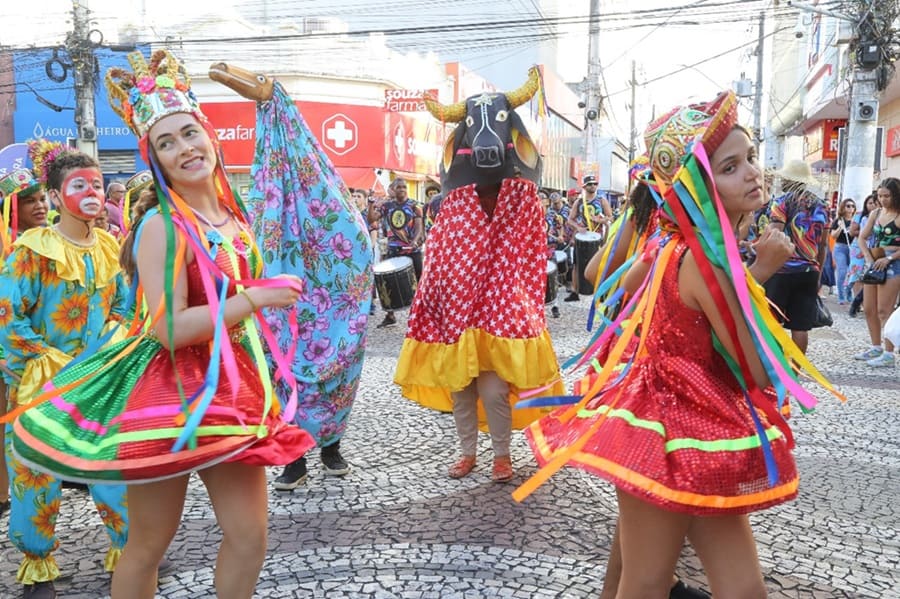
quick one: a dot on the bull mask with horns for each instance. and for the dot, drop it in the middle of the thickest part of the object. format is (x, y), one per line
(490, 143)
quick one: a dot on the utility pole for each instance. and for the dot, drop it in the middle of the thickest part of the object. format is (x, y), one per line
(874, 52)
(81, 52)
(757, 98)
(592, 101)
(632, 145)
(856, 178)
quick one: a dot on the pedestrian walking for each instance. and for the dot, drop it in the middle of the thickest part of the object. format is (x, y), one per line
(403, 228)
(883, 266)
(23, 204)
(843, 241)
(803, 216)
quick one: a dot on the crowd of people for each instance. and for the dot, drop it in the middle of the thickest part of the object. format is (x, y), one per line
(130, 327)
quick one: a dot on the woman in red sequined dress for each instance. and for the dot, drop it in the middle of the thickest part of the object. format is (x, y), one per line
(689, 451)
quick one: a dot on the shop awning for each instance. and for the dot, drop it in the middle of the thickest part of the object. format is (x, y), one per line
(359, 177)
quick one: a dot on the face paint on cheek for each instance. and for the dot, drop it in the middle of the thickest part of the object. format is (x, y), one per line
(82, 193)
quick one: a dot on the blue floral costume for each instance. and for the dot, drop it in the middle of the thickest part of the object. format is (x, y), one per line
(56, 299)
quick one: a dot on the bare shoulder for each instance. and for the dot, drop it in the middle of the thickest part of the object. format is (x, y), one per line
(153, 236)
(692, 287)
(690, 281)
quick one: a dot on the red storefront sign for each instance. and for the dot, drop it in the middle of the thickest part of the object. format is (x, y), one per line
(830, 137)
(351, 135)
(412, 143)
(892, 147)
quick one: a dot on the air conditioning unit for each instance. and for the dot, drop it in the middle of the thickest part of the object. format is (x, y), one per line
(89, 133)
(866, 111)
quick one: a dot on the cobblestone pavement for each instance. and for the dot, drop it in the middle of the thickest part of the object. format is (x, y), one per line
(398, 527)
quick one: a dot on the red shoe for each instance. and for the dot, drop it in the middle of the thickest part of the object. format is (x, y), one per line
(503, 470)
(462, 467)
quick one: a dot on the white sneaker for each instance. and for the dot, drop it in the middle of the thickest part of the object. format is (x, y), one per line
(883, 361)
(869, 354)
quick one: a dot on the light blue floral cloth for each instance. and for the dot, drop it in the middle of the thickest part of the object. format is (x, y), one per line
(306, 225)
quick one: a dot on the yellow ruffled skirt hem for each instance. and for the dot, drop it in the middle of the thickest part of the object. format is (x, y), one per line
(37, 569)
(428, 372)
(112, 558)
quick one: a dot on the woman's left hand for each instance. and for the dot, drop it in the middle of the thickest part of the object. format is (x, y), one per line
(881, 264)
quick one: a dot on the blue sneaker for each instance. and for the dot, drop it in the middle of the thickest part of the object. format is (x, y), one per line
(869, 354)
(885, 360)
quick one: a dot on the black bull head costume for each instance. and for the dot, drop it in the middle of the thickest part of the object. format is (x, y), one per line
(490, 143)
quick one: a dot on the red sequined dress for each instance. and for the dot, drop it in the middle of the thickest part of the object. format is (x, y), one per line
(677, 431)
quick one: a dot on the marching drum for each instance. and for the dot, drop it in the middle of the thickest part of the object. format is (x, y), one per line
(562, 265)
(395, 281)
(552, 282)
(586, 245)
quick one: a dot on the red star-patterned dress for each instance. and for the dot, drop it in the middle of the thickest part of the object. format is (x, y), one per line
(480, 303)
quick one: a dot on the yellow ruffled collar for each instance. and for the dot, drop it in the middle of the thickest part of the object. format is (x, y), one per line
(69, 257)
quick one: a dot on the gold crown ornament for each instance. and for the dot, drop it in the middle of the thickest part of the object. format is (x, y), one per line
(138, 181)
(152, 91)
(18, 181)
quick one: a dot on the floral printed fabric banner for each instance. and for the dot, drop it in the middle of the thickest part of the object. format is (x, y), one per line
(305, 225)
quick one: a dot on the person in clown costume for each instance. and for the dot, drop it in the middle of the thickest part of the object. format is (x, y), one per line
(189, 390)
(60, 288)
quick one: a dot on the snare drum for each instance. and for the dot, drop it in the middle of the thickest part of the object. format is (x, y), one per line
(586, 245)
(395, 281)
(552, 282)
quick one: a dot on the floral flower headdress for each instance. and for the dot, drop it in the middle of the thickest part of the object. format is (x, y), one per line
(153, 90)
(42, 153)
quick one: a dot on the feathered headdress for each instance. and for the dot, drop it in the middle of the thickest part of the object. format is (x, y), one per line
(42, 153)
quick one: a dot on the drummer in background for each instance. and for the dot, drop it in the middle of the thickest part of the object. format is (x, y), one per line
(402, 224)
(431, 190)
(362, 200)
(556, 221)
(556, 235)
(590, 213)
(431, 210)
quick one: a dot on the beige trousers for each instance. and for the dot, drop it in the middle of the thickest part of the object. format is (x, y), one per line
(494, 393)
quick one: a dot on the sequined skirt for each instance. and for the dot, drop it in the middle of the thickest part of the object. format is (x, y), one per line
(674, 436)
(121, 423)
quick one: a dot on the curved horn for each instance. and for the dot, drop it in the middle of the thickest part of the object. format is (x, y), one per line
(448, 114)
(523, 94)
(253, 86)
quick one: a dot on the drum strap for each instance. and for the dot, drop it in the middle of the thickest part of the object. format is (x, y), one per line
(587, 216)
